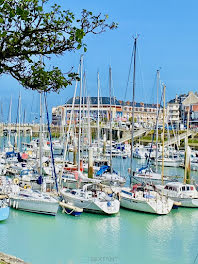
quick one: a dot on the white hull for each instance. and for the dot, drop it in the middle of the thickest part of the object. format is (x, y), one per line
(159, 205)
(170, 163)
(35, 206)
(149, 179)
(92, 205)
(186, 194)
(187, 202)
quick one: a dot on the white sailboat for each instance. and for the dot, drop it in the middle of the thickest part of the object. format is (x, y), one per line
(141, 198)
(33, 201)
(147, 175)
(91, 199)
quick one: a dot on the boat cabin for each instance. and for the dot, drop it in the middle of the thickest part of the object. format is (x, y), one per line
(179, 187)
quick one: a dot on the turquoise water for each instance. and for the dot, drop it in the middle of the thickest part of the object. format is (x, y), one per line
(129, 237)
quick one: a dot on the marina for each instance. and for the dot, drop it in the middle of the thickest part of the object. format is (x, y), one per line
(98, 132)
(171, 238)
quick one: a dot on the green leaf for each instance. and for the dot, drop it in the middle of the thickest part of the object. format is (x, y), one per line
(39, 8)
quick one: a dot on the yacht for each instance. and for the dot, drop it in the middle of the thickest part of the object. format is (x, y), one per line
(33, 201)
(91, 199)
(141, 199)
(186, 194)
(147, 175)
(108, 177)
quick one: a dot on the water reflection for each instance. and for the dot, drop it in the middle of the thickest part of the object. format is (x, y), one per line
(174, 235)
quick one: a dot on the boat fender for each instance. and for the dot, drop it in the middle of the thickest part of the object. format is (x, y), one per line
(17, 205)
(108, 203)
(14, 204)
(10, 202)
(26, 186)
(16, 181)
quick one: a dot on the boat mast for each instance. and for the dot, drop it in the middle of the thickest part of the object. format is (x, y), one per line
(83, 111)
(98, 121)
(133, 104)
(110, 116)
(89, 128)
(40, 136)
(10, 117)
(19, 134)
(80, 105)
(157, 117)
(186, 150)
(164, 88)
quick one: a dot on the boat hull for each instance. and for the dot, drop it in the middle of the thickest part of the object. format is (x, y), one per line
(34, 206)
(135, 205)
(143, 179)
(170, 163)
(4, 213)
(92, 205)
(187, 202)
(159, 205)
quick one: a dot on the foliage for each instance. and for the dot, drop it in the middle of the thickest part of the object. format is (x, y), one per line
(29, 32)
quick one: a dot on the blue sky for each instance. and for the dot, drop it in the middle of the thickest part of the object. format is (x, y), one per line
(168, 39)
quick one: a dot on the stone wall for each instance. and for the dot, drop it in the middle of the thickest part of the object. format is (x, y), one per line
(7, 259)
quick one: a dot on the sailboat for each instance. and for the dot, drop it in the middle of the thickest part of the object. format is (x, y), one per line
(142, 198)
(91, 199)
(28, 199)
(33, 201)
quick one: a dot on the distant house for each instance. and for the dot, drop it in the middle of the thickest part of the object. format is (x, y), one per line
(177, 109)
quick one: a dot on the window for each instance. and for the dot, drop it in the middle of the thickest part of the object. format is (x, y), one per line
(183, 188)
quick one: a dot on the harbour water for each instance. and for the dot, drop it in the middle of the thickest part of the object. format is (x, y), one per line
(129, 237)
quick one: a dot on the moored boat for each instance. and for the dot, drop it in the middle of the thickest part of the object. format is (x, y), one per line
(91, 199)
(33, 201)
(186, 194)
(142, 200)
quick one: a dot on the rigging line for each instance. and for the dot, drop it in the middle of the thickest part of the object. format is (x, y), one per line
(129, 73)
(149, 157)
(51, 147)
(153, 87)
(31, 113)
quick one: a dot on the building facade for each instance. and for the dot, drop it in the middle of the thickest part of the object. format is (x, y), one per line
(177, 110)
(120, 111)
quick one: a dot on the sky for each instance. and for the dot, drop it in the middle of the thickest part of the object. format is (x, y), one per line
(168, 39)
